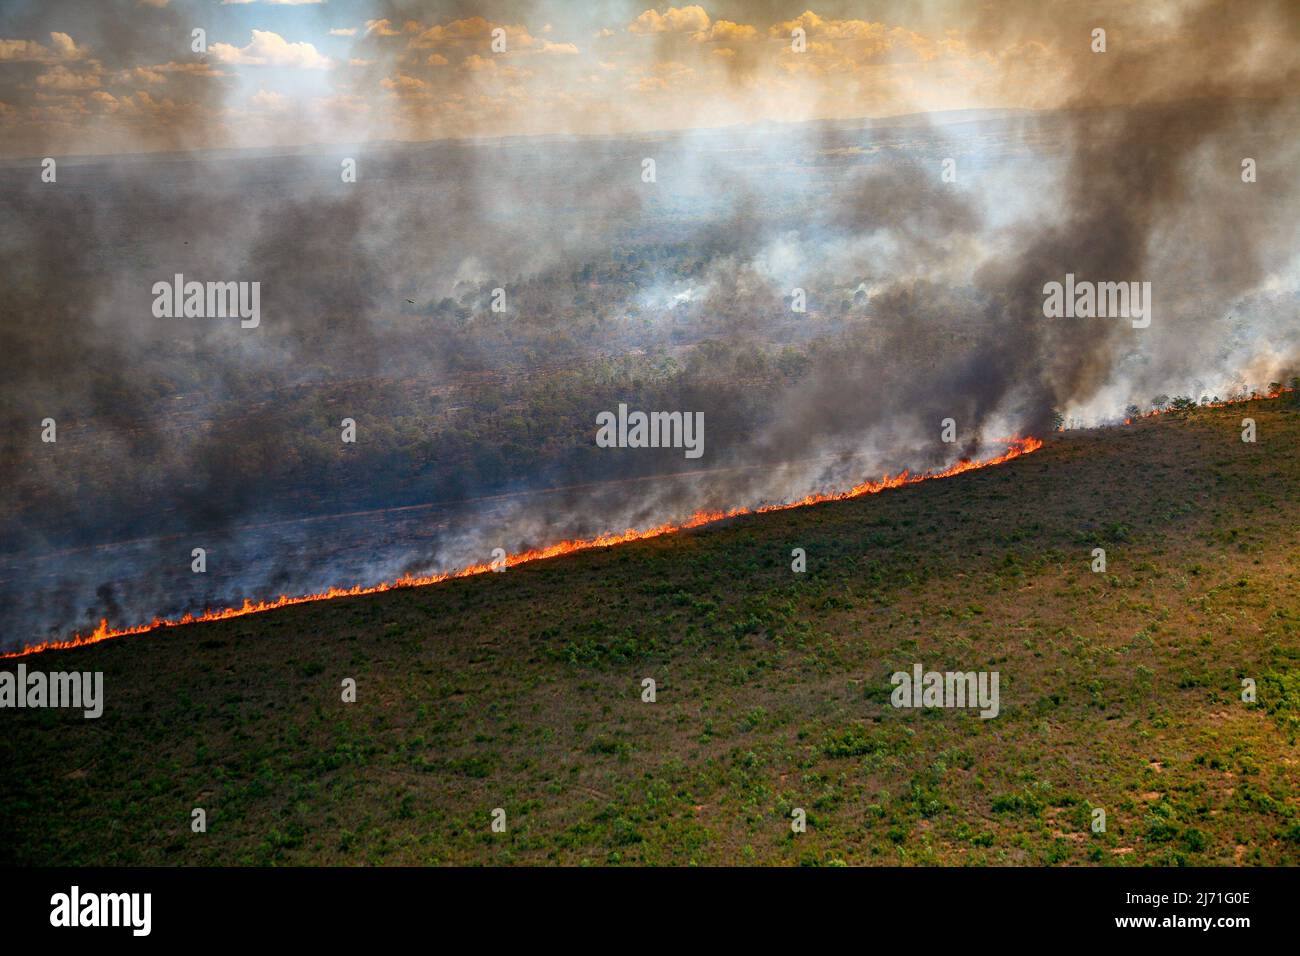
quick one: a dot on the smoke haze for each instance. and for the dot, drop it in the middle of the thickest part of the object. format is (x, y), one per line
(475, 427)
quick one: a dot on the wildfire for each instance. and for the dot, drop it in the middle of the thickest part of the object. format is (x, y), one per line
(1222, 403)
(1015, 448)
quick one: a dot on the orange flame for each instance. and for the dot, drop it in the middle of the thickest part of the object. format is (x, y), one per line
(1016, 448)
(1254, 396)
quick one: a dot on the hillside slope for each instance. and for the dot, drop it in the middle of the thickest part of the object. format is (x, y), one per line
(522, 690)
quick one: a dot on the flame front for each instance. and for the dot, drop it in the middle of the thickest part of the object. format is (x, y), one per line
(1015, 448)
(1254, 396)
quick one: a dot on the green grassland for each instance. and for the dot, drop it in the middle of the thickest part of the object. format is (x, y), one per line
(522, 690)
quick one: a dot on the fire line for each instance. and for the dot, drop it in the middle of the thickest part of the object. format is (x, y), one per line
(1016, 447)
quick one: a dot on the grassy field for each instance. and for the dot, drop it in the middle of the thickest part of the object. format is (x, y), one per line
(522, 690)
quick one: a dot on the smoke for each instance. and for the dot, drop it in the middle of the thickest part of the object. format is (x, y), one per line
(1153, 191)
(924, 301)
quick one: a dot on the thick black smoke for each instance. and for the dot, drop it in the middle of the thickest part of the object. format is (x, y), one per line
(924, 302)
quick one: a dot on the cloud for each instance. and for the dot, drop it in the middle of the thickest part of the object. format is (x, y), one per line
(469, 29)
(63, 44)
(269, 100)
(271, 49)
(61, 78)
(142, 74)
(877, 34)
(158, 72)
(380, 28)
(742, 68)
(692, 19)
(725, 31)
(404, 85)
(61, 47)
(17, 51)
(850, 45)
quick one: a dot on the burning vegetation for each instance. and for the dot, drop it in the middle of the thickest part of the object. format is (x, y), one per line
(1016, 448)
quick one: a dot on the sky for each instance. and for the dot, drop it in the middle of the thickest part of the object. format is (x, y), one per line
(100, 76)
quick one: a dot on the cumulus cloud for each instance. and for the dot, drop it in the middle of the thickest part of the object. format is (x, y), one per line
(692, 19)
(269, 100)
(896, 60)
(380, 28)
(156, 72)
(270, 49)
(725, 31)
(61, 78)
(404, 85)
(61, 47)
(476, 30)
